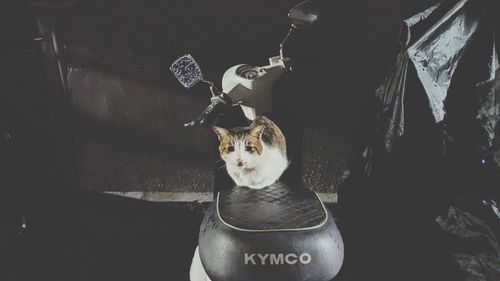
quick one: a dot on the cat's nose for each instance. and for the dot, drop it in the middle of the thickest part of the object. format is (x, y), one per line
(239, 162)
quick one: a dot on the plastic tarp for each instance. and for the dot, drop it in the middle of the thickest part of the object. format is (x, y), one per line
(434, 41)
(474, 227)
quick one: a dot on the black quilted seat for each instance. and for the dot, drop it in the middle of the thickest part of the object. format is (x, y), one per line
(275, 207)
(274, 233)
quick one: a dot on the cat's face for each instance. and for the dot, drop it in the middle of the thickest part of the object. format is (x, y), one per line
(240, 148)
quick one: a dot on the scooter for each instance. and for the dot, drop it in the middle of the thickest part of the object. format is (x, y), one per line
(280, 232)
(244, 85)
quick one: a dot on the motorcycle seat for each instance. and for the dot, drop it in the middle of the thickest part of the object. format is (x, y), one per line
(274, 233)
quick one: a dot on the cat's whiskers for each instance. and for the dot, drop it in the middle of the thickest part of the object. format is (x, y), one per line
(222, 166)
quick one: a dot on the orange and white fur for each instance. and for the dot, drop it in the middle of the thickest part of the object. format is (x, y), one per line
(255, 157)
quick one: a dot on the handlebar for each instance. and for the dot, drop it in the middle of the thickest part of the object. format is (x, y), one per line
(212, 112)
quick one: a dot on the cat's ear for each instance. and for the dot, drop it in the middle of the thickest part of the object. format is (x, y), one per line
(257, 131)
(260, 120)
(220, 132)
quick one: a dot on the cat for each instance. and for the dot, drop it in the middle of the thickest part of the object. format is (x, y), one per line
(254, 156)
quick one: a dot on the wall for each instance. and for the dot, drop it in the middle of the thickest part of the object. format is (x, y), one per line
(128, 111)
(117, 114)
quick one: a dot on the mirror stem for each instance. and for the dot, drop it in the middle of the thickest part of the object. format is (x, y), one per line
(283, 43)
(213, 88)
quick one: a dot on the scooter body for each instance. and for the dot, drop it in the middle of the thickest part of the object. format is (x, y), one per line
(278, 232)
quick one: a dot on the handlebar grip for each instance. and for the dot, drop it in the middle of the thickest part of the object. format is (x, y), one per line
(209, 116)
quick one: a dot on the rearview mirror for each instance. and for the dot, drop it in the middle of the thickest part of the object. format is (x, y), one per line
(187, 71)
(303, 15)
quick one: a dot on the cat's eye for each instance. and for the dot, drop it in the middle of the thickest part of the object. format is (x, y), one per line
(230, 148)
(248, 148)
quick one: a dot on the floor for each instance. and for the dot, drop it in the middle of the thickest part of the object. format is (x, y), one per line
(94, 237)
(104, 237)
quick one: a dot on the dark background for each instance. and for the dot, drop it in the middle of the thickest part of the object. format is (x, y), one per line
(91, 106)
(118, 113)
